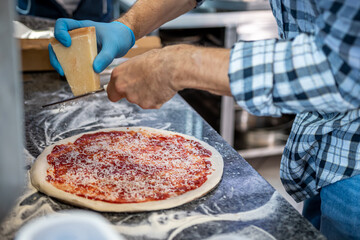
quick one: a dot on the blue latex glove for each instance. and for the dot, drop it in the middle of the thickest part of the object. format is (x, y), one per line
(114, 39)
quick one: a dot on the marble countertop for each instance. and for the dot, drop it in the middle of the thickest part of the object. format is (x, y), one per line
(242, 206)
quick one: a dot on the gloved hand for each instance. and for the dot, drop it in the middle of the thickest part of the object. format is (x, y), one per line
(114, 39)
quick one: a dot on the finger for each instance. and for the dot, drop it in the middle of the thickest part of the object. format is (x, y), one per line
(54, 61)
(112, 93)
(63, 26)
(104, 58)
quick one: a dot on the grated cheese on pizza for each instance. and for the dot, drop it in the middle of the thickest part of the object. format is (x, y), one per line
(129, 166)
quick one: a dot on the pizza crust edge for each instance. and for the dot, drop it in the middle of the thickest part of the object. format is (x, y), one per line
(38, 174)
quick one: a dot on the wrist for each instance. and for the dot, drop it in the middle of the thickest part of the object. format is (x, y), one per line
(128, 22)
(179, 59)
(129, 30)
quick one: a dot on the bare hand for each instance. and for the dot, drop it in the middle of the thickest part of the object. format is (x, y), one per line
(151, 79)
(144, 80)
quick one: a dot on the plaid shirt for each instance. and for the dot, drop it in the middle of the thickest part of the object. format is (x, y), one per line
(314, 72)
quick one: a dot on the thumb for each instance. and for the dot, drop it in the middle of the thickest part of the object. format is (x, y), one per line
(103, 59)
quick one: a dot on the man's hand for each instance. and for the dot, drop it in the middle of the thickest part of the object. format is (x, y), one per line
(114, 39)
(145, 80)
(153, 78)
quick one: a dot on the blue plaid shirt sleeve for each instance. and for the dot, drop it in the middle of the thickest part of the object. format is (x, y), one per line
(316, 71)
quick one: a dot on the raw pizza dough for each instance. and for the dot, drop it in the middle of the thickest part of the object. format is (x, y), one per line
(38, 174)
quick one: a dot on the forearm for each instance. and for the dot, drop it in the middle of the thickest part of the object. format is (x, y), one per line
(146, 16)
(154, 77)
(200, 68)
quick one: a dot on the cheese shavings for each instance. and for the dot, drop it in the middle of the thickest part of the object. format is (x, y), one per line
(129, 166)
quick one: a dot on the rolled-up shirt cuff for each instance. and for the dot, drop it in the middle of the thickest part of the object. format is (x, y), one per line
(251, 77)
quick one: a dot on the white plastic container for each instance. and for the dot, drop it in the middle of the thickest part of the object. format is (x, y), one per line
(74, 225)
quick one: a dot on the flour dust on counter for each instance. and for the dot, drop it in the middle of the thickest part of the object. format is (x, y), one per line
(59, 123)
(248, 233)
(78, 116)
(171, 224)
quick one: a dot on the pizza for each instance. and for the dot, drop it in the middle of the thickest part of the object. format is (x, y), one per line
(127, 169)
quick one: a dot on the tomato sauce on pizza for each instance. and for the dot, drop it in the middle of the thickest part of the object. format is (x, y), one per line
(128, 166)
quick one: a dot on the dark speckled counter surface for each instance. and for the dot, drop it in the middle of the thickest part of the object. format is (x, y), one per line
(242, 206)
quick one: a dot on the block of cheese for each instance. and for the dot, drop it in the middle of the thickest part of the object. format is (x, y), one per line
(77, 60)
